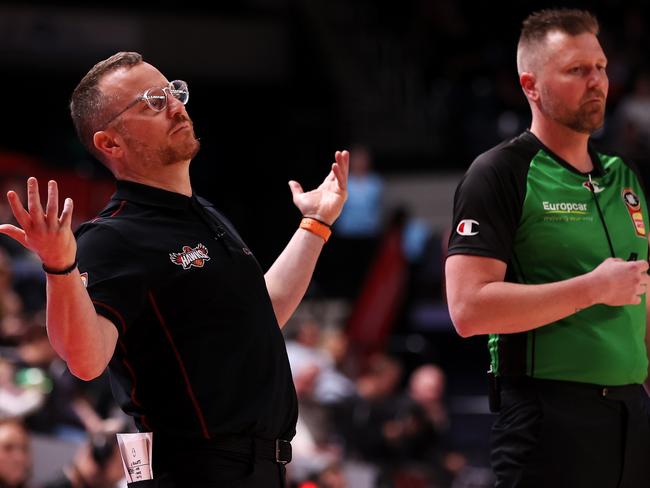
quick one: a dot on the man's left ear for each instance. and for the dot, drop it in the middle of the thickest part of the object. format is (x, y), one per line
(528, 85)
(107, 143)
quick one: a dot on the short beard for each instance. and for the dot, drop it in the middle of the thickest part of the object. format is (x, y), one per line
(585, 120)
(175, 154)
(166, 155)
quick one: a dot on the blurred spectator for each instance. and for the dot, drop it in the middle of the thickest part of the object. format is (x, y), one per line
(67, 412)
(15, 454)
(16, 400)
(358, 228)
(97, 464)
(313, 368)
(336, 344)
(19, 270)
(426, 389)
(361, 217)
(362, 419)
(422, 426)
(332, 477)
(402, 433)
(318, 385)
(10, 304)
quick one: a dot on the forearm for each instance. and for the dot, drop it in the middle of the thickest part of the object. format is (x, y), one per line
(501, 307)
(82, 338)
(287, 280)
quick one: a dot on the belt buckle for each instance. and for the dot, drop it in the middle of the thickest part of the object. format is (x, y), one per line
(282, 451)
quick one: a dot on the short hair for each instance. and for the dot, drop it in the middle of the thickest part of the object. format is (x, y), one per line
(88, 105)
(537, 25)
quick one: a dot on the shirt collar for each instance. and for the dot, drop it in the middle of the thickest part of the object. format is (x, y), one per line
(150, 195)
(595, 160)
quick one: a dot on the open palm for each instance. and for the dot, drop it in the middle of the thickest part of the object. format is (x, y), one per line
(325, 202)
(43, 231)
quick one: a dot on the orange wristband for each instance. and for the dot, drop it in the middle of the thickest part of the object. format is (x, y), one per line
(316, 227)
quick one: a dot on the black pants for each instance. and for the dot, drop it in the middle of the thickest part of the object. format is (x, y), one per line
(184, 464)
(570, 435)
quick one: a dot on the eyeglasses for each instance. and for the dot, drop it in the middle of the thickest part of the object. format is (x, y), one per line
(156, 98)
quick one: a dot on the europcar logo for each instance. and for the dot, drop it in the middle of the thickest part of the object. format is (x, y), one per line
(190, 256)
(467, 227)
(565, 207)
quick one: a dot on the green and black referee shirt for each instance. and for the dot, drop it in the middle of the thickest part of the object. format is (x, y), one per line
(525, 206)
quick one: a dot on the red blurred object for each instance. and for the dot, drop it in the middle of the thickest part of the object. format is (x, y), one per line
(88, 194)
(374, 312)
(308, 484)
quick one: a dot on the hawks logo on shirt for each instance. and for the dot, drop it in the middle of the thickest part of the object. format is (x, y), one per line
(196, 256)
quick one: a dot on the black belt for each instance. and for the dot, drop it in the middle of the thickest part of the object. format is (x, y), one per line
(615, 392)
(276, 450)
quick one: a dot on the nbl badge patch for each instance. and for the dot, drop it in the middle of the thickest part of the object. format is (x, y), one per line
(189, 257)
(633, 204)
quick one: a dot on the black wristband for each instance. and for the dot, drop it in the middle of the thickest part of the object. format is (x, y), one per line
(319, 221)
(65, 271)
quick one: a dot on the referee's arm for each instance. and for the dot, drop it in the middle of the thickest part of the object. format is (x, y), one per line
(481, 302)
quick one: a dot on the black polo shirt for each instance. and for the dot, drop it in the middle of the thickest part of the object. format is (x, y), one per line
(200, 352)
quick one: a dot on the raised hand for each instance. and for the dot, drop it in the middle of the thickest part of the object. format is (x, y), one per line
(43, 231)
(325, 202)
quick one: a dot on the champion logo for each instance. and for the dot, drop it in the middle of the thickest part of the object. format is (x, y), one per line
(189, 257)
(467, 227)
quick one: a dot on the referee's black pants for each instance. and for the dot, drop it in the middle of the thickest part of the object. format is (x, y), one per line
(556, 434)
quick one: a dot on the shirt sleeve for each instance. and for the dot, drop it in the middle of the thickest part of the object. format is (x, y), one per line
(113, 273)
(488, 206)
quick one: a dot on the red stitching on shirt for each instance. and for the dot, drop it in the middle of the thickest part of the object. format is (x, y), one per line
(134, 380)
(117, 211)
(181, 366)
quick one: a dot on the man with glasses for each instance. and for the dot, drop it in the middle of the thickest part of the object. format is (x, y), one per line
(167, 294)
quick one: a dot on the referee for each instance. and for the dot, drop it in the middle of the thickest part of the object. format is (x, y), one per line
(548, 257)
